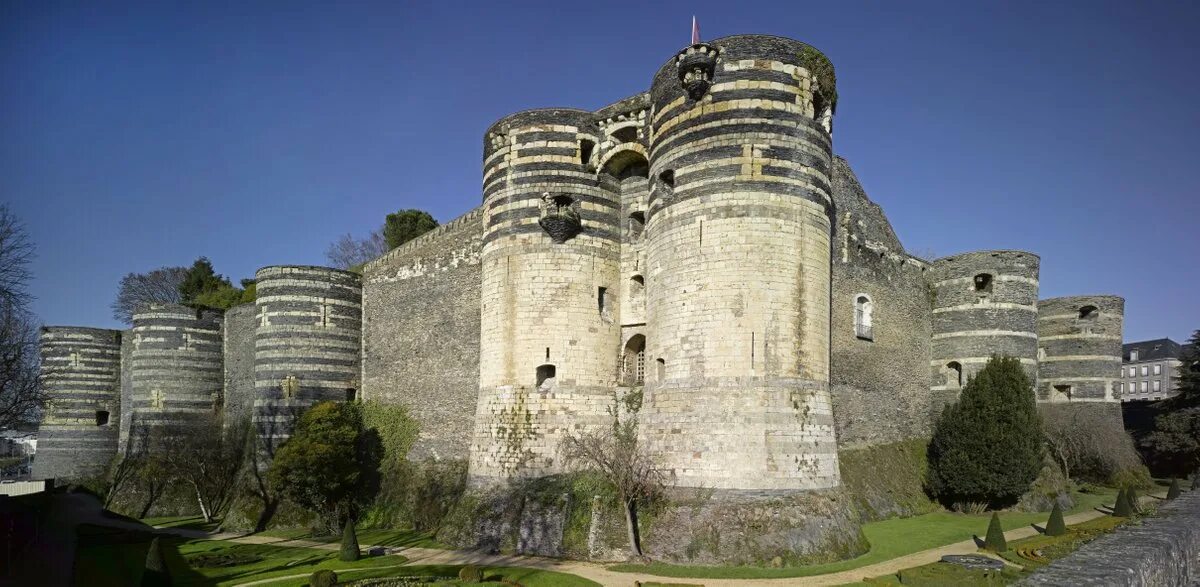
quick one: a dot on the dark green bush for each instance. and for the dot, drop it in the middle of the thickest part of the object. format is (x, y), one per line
(988, 446)
(995, 535)
(349, 551)
(323, 578)
(1056, 526)
(1174, 490)
(1122, 509)
(470, 574)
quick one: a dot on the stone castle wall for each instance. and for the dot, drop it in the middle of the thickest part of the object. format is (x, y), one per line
(81, 368)
(238, 338)
(985, 303)
(878, 378)
(176, 365)
(738, 274)
(307, 343)
(1079, 348)
(421, 310)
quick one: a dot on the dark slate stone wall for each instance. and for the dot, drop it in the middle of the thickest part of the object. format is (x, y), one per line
(970, 325)
(126, 389)
(240, 323)
(307, 342)
(1163, 550)
(177, 369)
(81, 368)
(1079, 356)
(879, 387)
(421, 333)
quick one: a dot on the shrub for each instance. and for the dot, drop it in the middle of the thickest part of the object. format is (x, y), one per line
(1056, 526)
(1122, 509)
(995, 535)
(349, 550)
(1174, 490)
(470, 574)
(156, 574)
(323, 578)
(1138, 477)
(988, 446)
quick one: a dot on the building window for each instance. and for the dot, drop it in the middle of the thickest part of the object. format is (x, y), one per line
(1062, 392)
(953, 374)
(863, 310)
(983, 283)
(1156, 385)
(585, 151)
(545, 376)
(633, 361)
(1158, 369)
(637, 287)
(637, 224)
(1133, 355)
(1145, 387)
(1088, 313)
(660, 369)
(1145, 370)
(604, 304)
(102, 417)
(351, 394)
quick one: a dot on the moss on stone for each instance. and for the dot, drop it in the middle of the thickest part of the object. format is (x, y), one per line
(822, 69)
(887, 480)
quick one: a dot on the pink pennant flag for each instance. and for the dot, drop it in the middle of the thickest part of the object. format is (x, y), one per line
(695, 31)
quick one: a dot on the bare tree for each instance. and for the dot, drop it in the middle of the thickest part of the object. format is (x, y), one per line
(347, 251)
(209, 457)
(615, 454)
(16, 252)
(1090, 442)
(262, 444)
(138, 290)
(22, 394)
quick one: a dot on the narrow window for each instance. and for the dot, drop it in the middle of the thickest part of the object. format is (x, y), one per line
(637, 287)
(602, 303)
(351, 394)
(667, 178)
(637, 223)
(954, 374)
(983, 283)
(585, 150)
(660, 369)
(1088, 313)
(1133, 355)
(1062, 392)
(545, 376)
(863, 308)
(101, 417)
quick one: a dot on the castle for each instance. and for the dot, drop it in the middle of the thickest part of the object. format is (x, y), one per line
(698, 243)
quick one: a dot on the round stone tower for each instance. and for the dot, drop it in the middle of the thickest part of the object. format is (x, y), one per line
(177, 371)
(1079, 349)
(985, 303)
(81, 370)
(738, 267)
(550, 328)
(307, 342)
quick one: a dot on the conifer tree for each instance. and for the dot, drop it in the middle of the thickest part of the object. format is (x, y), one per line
(1056, 526)
(995, 535)
(988, 446)
(349, 550)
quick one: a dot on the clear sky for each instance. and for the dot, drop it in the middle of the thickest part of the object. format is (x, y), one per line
(134, 136)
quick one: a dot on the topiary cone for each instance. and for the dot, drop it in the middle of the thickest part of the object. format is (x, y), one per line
(995, 535)
(1174, 490)
(1122, 509)
(155, 573)
(1135, 503)
(1196, 481)
(349, 550)
(1056, 526)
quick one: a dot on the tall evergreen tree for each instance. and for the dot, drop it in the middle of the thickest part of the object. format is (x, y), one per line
(201, 279)
(1176, 435)
(988, 446)
(405, 225)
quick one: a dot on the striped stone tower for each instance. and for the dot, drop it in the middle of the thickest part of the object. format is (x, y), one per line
(177, 372)
(550, 310)
(307, 343)
(738, 268)
(81, 369)
(1079, 349)
(985, 304)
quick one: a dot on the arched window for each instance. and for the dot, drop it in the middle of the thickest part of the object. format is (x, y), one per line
(585, 151)
(863, 309)
(545, 376)
(660, 368)
(633, 361)
(1088, 313)
(637, 287)
(953, 374)
(637, 223)
(983, 283)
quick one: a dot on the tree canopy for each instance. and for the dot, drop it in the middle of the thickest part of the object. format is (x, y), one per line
(405, 225)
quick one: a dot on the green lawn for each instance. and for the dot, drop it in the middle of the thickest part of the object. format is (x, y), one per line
(889, 539)
(372, 536)
(491, 575)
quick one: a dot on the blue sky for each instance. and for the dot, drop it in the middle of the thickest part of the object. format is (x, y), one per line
(139, 135)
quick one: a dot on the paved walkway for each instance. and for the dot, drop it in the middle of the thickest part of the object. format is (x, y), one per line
(600, 574)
